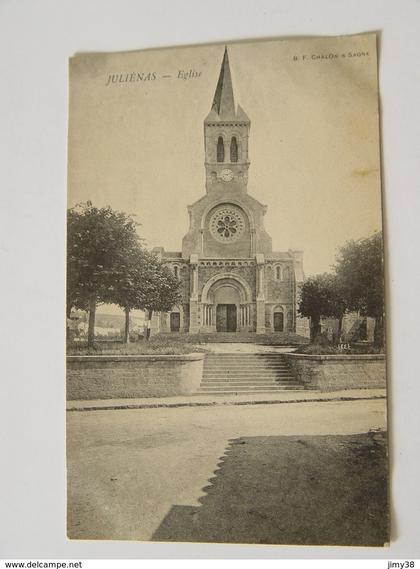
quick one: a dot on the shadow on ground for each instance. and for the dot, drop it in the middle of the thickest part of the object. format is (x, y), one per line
(303, 490)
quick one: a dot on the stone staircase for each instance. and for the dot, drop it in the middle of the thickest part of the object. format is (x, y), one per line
(246, 373)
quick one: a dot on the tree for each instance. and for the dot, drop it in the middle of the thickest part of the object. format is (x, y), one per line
(320, 296)
(162, 290)
(99, 243)
(147, 285)
(360, 275)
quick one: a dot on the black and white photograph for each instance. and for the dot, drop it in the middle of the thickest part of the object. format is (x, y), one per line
(226, 372)
(209, 279)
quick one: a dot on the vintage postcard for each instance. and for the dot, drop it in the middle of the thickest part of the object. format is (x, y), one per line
(226, 376)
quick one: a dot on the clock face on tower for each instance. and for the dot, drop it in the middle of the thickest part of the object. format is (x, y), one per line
(227, 175)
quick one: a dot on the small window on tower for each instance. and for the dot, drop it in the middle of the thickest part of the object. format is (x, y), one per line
(176, 273)
(278, 272)
(220, 150)
(233, 150)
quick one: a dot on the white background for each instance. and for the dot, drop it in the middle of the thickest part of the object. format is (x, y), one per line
(36, 39)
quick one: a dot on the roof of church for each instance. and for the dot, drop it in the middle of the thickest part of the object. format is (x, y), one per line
(241, 115)
(223, 107)
(279, 255)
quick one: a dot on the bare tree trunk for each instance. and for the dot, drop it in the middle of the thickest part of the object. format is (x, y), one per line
(340, 329)
(149, 323)
(315, 328)
(127, 326)
(92, 314)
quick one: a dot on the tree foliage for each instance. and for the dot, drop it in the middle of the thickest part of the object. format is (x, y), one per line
(320, 296)
(359, 270)
(106, 263)
(147, 285)
(162, 290)
(99, 243)
(360, 274)
(357, 284)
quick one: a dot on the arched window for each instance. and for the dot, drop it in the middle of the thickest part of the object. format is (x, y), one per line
(233, 150)
(220, 150)
(176, 272)
(278, 272)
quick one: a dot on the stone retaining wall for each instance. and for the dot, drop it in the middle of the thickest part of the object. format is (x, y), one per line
(336, 372)
(108, 377)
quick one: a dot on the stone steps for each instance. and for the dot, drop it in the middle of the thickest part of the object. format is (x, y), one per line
(228, 364)
(246, 373)
(259, 355)
(242, 363)
(250, 380)
(246, 364)
(238, 390)
(244, 357)
(249, 384)
(250, 365)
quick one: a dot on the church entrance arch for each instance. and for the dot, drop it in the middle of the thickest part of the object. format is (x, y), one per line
(226, 318)
(226, 301)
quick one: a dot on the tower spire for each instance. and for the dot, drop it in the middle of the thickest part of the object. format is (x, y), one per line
(224, 102)
(226, 132)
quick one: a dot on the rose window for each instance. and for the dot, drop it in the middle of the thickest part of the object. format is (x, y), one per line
(227, 224)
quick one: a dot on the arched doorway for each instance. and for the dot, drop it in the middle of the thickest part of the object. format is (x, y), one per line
(226, 304)
(226, 299)
(175, 321)
(278, 320)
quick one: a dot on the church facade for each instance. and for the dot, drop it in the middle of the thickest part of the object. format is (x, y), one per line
(231, 279)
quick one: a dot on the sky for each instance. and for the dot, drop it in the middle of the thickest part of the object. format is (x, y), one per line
(314, 141)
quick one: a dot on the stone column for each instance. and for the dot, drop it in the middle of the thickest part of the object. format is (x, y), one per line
(206, 322)
(181, 318)
(260, 294)
(242, 320)
(212, 317)
(253, 242)
(245, 316)
(202, 241)
(194, 308)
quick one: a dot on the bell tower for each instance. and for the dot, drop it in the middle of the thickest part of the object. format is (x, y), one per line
(226, 131)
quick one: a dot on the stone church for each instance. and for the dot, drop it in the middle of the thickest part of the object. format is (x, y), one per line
(232, 280)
